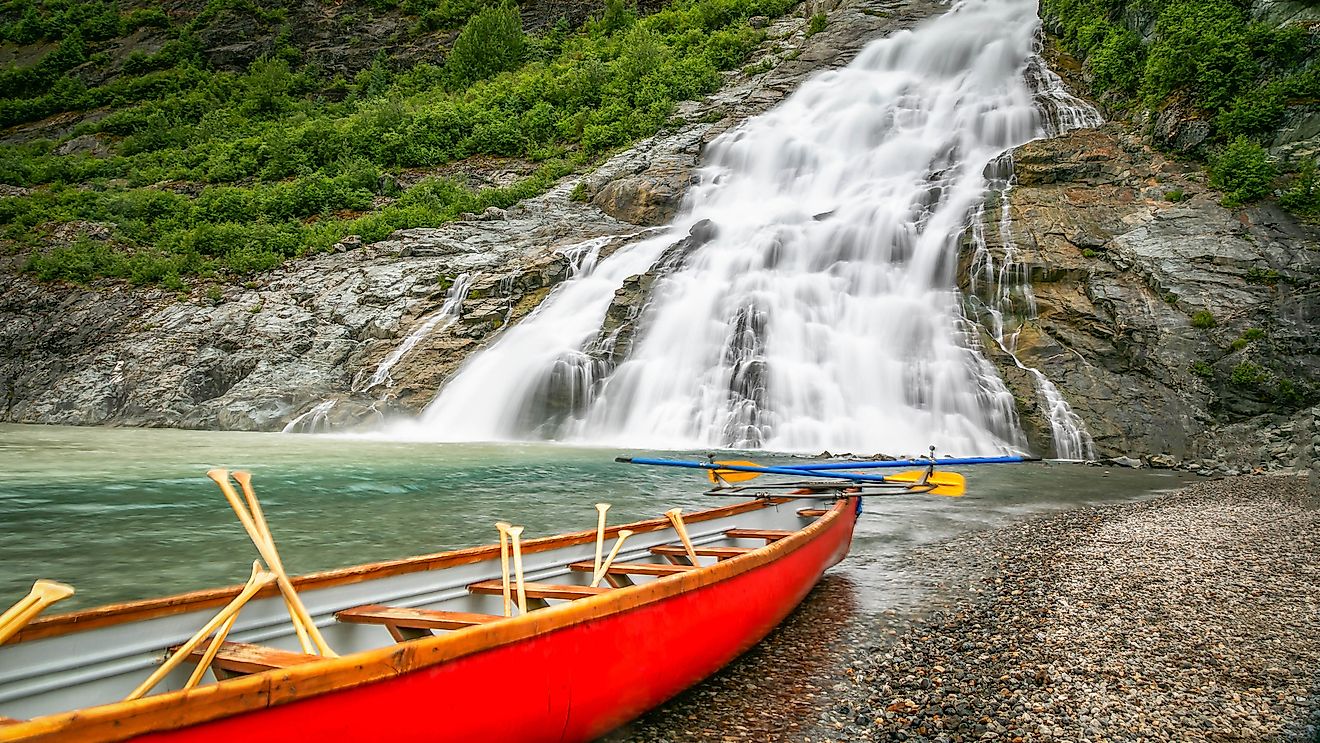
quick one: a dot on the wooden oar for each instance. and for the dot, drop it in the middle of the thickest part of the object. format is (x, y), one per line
(259, 532)
(675, 516)
(209, 655)
(297, 611)
(216, 642)
(259, 580)
(514, 534)
(605, 566)
(44, 593)
(258, 518)
(504, 527)
(601, 508)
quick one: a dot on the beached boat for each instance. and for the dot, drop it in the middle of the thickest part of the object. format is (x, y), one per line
(425, 652)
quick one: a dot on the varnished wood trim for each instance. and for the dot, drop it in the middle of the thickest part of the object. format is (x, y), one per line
(812, 513)
(718, 552)
(241, 657)
(633, 568)
(122, 720)
(540, 590)
(136, 611)
(414, 618)
(769, 535)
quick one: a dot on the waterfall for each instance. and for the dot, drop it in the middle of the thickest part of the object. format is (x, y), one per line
(315, 420)
(1005, 290)
(818, 309)
(447, 314)
(1005, 296)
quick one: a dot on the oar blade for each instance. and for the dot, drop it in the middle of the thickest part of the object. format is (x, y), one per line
(946, 483)
(722, 477)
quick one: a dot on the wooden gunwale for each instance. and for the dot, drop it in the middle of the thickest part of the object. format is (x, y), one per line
(136, 611)
(172, 710)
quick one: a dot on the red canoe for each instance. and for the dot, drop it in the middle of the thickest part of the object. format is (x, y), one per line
(581, 663)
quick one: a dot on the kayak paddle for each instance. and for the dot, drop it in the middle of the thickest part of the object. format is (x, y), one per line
(909, 479)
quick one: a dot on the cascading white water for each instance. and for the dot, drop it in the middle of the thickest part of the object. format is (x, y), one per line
(822, 314)
(447, 315)
(1007, 298)
(1005, 287)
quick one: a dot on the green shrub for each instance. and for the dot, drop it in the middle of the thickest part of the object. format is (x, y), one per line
(1242, 171)
(1202, 46)
(1303, 196)
(1202, 370)
(1175, 195)
(1116, 62)
(1204, 320)
(1253, 334)
(277, 163)
(579, 192)
(1256, 275)
(817, 24)
(491, 42)
(1247, 374)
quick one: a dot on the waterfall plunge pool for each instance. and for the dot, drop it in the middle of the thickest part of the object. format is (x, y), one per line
(126, 513)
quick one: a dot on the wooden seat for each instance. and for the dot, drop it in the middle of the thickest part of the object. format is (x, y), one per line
(409, 624)
(719, 553)
(238, 658)
(812, 513)
(8, 721)
(635, 568)
(769, 535)
(540, 590)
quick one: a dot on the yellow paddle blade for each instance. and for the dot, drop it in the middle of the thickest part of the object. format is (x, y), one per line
(720, 477)
(946, 483)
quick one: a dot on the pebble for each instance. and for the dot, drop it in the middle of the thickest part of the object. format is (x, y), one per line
(1194, 616)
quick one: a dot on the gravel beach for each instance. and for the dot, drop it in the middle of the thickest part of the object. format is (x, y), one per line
(1194, 616)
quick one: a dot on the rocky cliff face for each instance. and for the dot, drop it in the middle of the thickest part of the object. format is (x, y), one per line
(1177, 329)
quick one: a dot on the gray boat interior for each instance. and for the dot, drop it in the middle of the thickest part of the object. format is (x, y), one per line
(101, 665)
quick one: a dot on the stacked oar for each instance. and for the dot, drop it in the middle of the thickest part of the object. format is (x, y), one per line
(44, 593)
(254, 523)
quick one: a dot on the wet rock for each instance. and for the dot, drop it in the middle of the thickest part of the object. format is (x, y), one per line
(651, 196)
(1143, 303)
(1179, 130)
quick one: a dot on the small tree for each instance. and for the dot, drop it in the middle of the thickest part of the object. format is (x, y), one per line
(268, 83)
(491, 42)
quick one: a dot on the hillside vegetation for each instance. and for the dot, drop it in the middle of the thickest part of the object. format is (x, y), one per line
(1210, 58)
(193, 171)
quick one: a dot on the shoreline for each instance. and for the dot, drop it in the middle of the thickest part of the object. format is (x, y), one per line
(1193, 615)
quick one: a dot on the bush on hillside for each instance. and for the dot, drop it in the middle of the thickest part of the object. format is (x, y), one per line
(491, 42)
(1242, 171)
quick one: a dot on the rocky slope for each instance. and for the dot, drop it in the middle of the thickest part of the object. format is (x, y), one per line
(1176, 328)
(259, 356)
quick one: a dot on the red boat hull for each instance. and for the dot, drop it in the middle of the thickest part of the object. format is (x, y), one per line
(571, 683)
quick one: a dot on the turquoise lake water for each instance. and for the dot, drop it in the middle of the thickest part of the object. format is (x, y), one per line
(129, 513)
